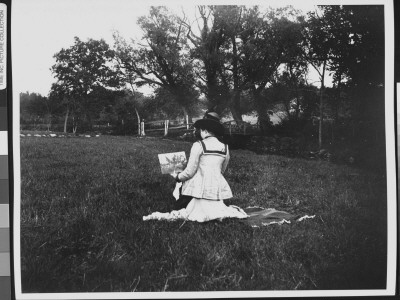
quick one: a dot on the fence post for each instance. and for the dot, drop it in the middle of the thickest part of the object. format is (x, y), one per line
(187, 122)
(142, 129)
(166, 123)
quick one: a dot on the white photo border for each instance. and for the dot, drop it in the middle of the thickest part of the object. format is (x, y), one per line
(391, 181)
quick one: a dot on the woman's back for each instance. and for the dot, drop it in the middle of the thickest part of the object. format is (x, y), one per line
(208, 181)
(215, 155)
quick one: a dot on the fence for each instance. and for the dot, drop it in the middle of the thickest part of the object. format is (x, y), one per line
(162, 127)
(232, 127)
(165, 126)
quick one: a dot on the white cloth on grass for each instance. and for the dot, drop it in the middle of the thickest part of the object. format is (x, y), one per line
(200, 210)
(175, 193)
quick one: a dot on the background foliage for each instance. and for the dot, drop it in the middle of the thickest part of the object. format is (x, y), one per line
(236, 60)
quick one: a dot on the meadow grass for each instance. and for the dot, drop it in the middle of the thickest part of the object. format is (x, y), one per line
(83, 199)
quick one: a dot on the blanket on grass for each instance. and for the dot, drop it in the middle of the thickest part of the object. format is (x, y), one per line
(259, 216)
(253, 216)
(203, 211)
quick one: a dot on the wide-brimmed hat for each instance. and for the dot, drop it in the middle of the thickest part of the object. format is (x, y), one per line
(211, 122)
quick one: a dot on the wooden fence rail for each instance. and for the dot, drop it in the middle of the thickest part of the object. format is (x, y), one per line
(233, 127)
(165, 124)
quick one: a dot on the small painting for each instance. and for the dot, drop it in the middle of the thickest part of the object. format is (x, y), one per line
(172, 163)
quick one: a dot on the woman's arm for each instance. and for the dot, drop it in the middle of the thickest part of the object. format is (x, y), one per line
(193, 163)
(226, 161)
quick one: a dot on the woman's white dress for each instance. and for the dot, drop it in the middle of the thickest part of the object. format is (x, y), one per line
(203, 180)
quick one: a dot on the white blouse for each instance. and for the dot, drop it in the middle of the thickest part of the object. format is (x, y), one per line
(202, 177)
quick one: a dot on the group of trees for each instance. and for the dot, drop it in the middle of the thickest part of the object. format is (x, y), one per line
(233, 59)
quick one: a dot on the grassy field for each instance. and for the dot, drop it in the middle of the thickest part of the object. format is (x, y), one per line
(82, 202)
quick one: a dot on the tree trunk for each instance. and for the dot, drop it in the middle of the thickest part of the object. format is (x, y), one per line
(136, 111)
(235, 106)
(296, 89)
(337, 102)
(49, 123)
(235, 100)
(74, 125)
(66, 120)
(321, 110)
(185, 114)
(263, 117)
(138, 118)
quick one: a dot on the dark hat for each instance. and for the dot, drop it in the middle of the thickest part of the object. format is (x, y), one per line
(210, 122)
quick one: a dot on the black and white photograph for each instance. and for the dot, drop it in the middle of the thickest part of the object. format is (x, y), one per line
(203, 149)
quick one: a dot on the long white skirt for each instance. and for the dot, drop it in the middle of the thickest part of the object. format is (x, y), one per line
(200, 210)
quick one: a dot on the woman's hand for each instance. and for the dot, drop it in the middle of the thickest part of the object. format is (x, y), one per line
(175, 175)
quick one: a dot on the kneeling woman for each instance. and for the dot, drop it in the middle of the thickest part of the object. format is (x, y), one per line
(203, 180)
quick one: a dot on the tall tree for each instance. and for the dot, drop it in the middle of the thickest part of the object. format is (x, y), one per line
(79, 70)
(162, 60)
(208, 59)
(318, 44)
(60, 93)
(217, 51)
(271, 46)
(365, 78)
(349, 41)
(125, 62)
(238, 49)
(358, 59)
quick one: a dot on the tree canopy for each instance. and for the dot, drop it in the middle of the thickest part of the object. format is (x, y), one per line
(81, 71)
(234, 59)
(162, 60)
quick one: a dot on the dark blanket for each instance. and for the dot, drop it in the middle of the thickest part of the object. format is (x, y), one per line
(259, 216)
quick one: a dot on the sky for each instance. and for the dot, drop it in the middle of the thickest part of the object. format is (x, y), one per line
(41, 28)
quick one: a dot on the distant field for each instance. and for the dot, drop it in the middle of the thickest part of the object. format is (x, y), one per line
(82, 202)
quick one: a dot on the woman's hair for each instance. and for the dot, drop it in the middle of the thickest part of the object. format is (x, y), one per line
(205, 127)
